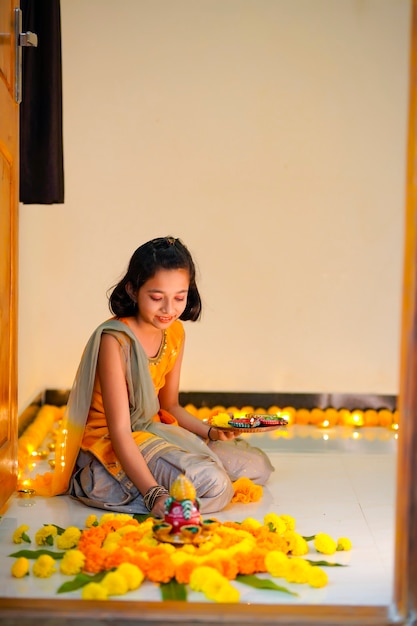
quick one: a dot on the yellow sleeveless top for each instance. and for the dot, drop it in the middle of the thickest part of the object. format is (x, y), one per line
(96, 437)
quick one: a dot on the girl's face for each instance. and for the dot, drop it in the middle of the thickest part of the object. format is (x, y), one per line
(163, 298)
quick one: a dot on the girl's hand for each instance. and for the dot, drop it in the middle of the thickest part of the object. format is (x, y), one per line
(159, 507)
(215, 434)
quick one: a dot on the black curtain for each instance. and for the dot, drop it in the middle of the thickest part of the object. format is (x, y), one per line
(41, 146)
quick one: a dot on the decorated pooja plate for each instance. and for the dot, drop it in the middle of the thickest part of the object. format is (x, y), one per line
(187, 534)
(254, 422)
(178, 539)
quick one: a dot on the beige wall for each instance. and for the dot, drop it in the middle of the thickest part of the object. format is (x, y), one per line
(270, 135)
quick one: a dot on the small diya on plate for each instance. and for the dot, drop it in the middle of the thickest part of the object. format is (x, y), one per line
(249, 421)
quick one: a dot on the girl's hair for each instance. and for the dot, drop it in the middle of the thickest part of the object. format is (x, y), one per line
(165, 253)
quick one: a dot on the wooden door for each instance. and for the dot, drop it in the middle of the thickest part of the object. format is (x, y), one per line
(9, 185)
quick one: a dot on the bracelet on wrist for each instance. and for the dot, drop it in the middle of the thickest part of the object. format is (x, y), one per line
(152, 495)
(208, 434)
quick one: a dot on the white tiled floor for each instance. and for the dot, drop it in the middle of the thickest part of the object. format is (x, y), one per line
(333, 481)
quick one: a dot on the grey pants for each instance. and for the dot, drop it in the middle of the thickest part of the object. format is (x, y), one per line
(94, 486)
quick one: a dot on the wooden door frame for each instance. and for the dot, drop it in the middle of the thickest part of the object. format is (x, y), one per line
(9, 154)
(403, 609)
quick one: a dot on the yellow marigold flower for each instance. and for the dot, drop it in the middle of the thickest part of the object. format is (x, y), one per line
(214, 586)
(221, 419)
(298, 570)
(317, 577)
(291, 537)
(216, 540)
(132, 574)
(69, 538)
(111, 541)
(222, 591)
(94, 591)
(276, 523)
(20, 567)
(181, 557)
(148, 524)
(168, 548)
(206, 547)
(343, 543)
(107, 517)
(45, 535)
(115, 584)
(20, 535)
(91, 521)
(201, 576)
(149, 540)
(324, 544)
(250, 523)
(276, 563)
(123, 517)
(219, 554)
(129, 528)
(300, 546)
(44, 566)
(246, 546)
(289, 521)
(189, 548)
(72, 562)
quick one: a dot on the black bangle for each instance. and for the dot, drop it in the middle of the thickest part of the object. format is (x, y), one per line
(208, 434)
(152, 495)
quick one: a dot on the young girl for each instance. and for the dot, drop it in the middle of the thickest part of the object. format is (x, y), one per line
(126, 433)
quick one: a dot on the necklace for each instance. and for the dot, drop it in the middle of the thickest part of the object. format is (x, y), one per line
(155, 360)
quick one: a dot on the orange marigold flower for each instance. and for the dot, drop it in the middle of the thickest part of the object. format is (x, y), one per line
(141, 560)
(272, 541)
(230, 569)
(116, 558)
(184, 570)
(246, 491)
(94, 559)
(232, 534)
(228, 524)
(94, 535)
(250, 563)
(160, 569)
